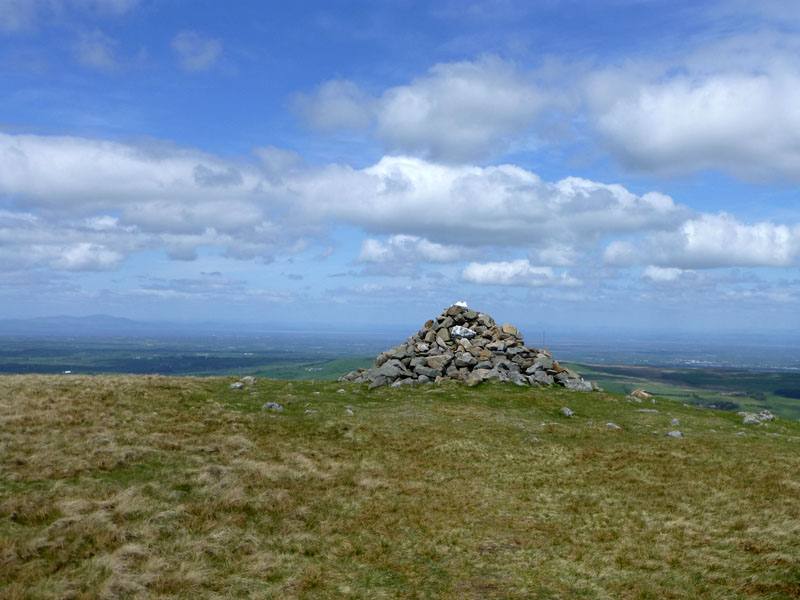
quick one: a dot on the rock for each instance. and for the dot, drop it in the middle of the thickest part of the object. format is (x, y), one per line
(613, 426)
(248, 380)
(675, 422)
(341, 391)
(675, 434)
(310, 412)
(271, 406)
(462, 332)
(641, 394)
(349, 411)
(511, 330)
(237, 386)
(566, 411)
(466, 345)
(465, 360)
(578, 385)
(751, 420)
(461, 304)
(647, 410)
(439, 362)
(427, 372)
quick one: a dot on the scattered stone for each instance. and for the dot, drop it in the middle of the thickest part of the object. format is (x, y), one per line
(566, 411)
(647, 410)
(756, 418)
(641, 394)
(675, 422)
(248, 379)
(341, 391)
(271, 406)
(237, 386)
(310, 412)
(675, 434)
(349, 411)
(613, 426)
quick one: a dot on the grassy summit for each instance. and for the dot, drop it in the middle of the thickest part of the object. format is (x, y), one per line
(156, 487)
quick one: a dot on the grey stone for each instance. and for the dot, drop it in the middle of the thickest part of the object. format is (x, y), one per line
(613, 426)
(465, 360)
(543, 378)
(578, 385)
(647, 410)
(566, 411)
(237, 386)
(349, 411)
(443, 334)
(751, 420)
(427, 372)
(423, 379)
(675, 422)
(249, 380)
(271, 406)
(675, 434)
(438, 362)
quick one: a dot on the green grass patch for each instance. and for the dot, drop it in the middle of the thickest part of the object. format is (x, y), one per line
(157, 487)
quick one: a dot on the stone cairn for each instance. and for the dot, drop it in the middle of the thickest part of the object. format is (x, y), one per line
(468, 346)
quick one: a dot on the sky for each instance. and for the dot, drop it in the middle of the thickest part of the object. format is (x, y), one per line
(617, 165)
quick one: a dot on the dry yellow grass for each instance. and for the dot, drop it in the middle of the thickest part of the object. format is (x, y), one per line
(154, 487)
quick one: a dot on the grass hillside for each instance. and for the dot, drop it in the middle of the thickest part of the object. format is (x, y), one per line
(157, 487)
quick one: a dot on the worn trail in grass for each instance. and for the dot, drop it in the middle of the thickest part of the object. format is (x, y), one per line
(153, 487)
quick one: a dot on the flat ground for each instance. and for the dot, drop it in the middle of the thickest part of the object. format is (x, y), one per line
(157, 487)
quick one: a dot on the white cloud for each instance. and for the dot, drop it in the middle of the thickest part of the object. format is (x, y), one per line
(475, 206)
(517, 273)
(460, 111)
(196, 52)
(410, 248)
(83, 204)
(336, 104)
(712, 241)
(96, 50)
(662, 274)
(728, 106)
(87, 257)
(457, 112)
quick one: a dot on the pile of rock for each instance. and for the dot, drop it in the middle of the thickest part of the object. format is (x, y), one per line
(468, 346)
(756, 418)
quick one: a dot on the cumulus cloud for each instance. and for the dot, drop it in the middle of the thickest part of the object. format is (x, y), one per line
(76, 203)
(83, 204)
(196, 52)
(662, 274)
(711, 241)
(474, 206)
(457, 112)
(729, 106)
(409, 249)
(460, 111)
(96, 50)
(515, 273)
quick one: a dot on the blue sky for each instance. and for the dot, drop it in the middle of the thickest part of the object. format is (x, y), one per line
(625, 165)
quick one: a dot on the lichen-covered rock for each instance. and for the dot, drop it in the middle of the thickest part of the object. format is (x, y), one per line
(465, 345)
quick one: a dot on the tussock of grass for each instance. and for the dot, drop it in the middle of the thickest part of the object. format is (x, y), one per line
(154, 487)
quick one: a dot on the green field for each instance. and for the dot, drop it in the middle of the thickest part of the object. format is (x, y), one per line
(167, 487)
(730, 389)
